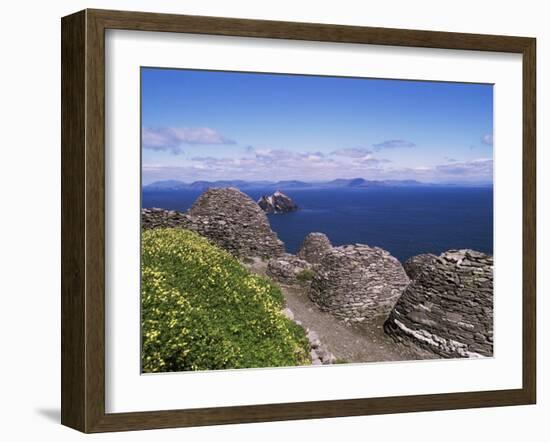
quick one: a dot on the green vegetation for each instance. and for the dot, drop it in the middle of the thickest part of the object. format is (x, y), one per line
(202, 310)
(305, 275)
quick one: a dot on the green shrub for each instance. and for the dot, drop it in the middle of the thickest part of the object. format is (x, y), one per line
(202, 310)
(305, 275)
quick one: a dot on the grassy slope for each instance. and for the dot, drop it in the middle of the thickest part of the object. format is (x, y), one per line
(202, 310)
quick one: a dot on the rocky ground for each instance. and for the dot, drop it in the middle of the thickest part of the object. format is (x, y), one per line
(357, 303)
(348, 342)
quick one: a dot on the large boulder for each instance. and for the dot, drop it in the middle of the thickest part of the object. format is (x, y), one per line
(415, 264)
(314, 247)
(358, 282)
(228, 218)
(448, 308)
(289, 269)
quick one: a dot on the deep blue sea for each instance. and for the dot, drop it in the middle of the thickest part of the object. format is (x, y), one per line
(405, 221)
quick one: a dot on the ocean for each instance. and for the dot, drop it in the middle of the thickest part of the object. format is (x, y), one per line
(406, 221)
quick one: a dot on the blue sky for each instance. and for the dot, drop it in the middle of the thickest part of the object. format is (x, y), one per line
(208, 125)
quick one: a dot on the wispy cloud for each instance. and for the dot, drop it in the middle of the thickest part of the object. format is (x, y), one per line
(354, 152)
(222, 164)
(487, 139)
(280, 156)
(281, 164)
(370, 162)
(478, 167)
(276, 164)
(171, 139)
(394, 144)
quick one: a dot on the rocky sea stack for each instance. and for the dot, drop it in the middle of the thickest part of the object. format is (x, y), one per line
(358, 282)
(228, 218)
(277, 203)
(448, 308)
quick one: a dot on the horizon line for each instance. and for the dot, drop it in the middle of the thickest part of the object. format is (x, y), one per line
(317, 181)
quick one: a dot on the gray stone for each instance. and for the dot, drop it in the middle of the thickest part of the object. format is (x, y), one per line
(288, 313)
(277, 203)
(287, 269)
(448, 307)
(315, 343)
(314, 247)
(313, 338)
(312, 335)
(358, 282)
(414, 265)
(325, 356)
(228, 218)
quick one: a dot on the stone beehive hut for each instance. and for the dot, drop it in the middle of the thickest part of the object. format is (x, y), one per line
(232, 220)
(314, 247)
(358, 282)
(448, 308)
(414, 265)
(228, 218)
(287, 269)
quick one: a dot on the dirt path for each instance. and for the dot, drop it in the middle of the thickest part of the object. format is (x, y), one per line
(352, 343)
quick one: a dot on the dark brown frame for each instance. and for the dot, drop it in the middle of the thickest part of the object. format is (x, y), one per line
(83, 215)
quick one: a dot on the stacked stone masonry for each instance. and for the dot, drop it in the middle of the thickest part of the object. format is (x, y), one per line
(288, 269)
(314, 247)
(414, 265)
(448, 308)
(228, 218)
(358, 282)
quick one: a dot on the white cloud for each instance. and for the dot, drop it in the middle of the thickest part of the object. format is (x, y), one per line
(354, 152)
(479, 167)
(394, 144)
(281, 164)
(265, 163)
(171, 139)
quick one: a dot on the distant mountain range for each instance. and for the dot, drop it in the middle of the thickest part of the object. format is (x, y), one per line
(174, 185)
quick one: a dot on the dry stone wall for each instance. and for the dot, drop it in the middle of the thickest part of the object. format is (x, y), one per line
(154, 217)
(358, 282)
(448, 308)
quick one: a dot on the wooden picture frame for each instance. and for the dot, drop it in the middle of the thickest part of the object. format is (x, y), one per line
(83, 220)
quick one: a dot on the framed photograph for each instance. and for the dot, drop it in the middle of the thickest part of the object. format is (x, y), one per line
(267, 220)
